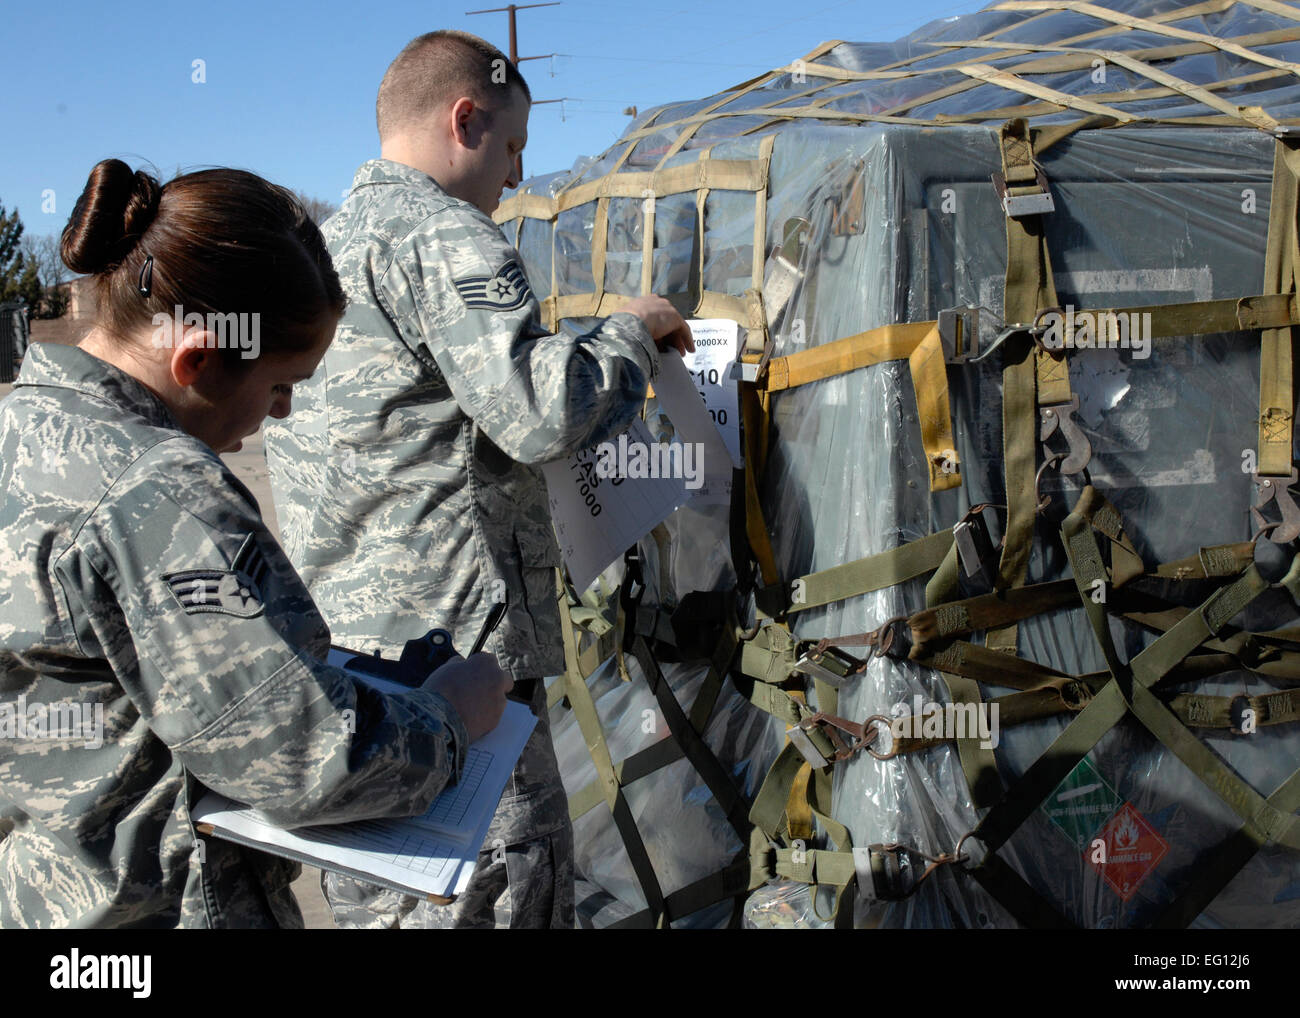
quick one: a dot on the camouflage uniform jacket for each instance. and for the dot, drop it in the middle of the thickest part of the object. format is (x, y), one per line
(139, 579)
(405, 478)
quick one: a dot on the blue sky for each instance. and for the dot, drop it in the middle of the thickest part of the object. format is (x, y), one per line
(290, 87)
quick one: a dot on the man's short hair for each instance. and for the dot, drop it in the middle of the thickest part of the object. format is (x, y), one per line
(436, 69)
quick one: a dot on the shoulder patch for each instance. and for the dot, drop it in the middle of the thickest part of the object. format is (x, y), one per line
(236, 591)
(505, 291)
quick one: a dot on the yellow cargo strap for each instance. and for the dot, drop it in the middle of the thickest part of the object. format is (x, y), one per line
(1281, 264)
(919, 344)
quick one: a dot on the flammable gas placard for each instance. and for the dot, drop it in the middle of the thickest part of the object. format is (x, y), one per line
(1131, 848)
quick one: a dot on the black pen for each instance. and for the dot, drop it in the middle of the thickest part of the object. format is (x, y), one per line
(489, 624)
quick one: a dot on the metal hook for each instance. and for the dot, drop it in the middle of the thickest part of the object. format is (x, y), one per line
(1043, 501)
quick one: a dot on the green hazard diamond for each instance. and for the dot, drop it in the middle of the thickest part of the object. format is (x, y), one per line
(1081, 804)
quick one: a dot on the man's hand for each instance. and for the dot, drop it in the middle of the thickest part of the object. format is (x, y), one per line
(476, 688)
(668, 328)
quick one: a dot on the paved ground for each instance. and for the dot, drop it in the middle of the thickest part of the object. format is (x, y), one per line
(249, 465)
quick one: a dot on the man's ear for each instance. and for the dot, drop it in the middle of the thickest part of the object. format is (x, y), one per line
(462, 114)
(195, 358)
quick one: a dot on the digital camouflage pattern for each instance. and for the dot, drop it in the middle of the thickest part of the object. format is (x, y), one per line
(138, 575)
(406, 479)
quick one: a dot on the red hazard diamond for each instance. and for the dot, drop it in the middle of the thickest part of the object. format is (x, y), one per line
(1133, 849)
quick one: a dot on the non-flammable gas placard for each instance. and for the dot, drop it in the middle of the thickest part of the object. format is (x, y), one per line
(1081, 804)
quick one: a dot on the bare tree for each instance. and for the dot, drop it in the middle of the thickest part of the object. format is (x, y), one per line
(317, 208)
(43, 252)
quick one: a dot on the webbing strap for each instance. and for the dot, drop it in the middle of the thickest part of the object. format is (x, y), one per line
(1009, 889)
(638, 765)
(584, 709)
(1093, 583)
(715, 776)
(886, 343)
(1105, 710)
(1031, 375)
(930, 383)
(1225, 862)
(874, 572)
(1281, 263)
(985, 611)
(918, 343)
(730, 882)
(768, 812)
(753, 411)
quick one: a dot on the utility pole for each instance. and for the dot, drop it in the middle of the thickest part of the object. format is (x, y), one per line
(514, 52)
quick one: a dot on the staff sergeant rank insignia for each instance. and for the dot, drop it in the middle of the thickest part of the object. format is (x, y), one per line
(236, 591)
(505, 291)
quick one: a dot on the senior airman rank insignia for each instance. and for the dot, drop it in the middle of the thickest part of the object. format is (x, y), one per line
(236, 591)
(505, 291)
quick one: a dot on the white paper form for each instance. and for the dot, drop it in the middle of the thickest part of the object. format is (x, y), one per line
(684, 404)
(433, 853)
(598, 518)
(717, 341)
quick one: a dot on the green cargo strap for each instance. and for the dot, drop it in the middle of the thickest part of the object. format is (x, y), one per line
(754, 418)
(716, 778)
(731, 882)
(1281, 263)
(1009, 889)
(771, 655)
(638, 765)
(1031, 375)
(768, 813)
(1225, 861)
(1064, 695)
(931, 626)
(961, 657)
(719, 666)
(1093, 585)
(584, 709)
(874, 572)
(1102, 516)
(1212, 562)
(943, 585)
(1106, 709)
(1196, 711)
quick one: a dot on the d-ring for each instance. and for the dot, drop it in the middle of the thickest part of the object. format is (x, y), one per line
(893, 749)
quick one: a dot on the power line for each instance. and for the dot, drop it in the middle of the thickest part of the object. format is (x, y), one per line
(514, 52)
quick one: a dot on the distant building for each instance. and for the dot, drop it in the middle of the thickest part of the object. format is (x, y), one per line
(75, 322)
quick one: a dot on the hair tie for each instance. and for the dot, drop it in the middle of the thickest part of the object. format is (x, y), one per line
(146, 276)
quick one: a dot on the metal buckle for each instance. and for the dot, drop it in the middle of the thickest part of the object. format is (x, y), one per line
(799, 738)
(828, 663)
(1033, 203)
(959, 332)
(975, 548)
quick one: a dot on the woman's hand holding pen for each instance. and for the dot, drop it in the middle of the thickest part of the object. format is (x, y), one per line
(476, 688)
(476, 691)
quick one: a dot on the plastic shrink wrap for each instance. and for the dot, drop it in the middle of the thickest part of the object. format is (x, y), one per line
(871, 222)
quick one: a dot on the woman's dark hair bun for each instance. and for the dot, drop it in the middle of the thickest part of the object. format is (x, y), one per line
(112, 214)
